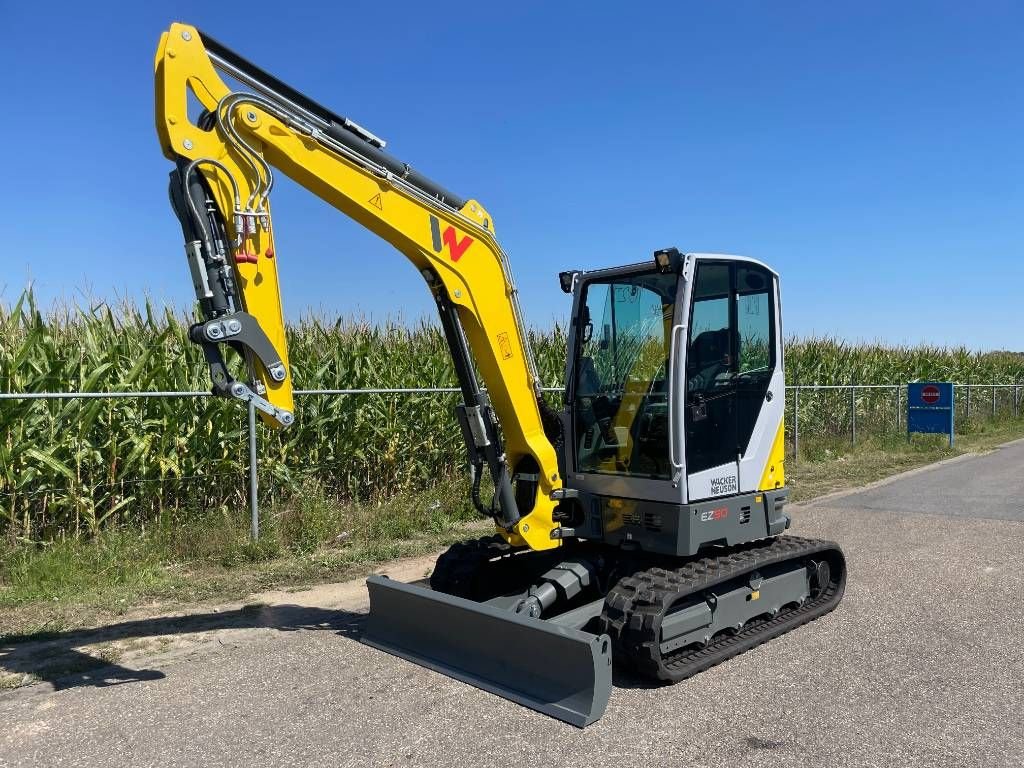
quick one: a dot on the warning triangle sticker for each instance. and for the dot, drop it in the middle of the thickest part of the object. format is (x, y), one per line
(376, 203)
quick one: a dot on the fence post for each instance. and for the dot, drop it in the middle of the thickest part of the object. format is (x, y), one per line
(968, 385)
(254, 504)
(899, 406)
(796, 423)
(1016, 403)
(993, 402)
(853, 413)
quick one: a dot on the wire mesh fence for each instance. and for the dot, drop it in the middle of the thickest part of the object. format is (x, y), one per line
(850, 409)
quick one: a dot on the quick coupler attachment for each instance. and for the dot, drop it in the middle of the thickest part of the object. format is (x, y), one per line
(241, 328)
(557, 670)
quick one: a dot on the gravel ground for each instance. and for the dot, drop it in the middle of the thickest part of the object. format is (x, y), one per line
(920, 665)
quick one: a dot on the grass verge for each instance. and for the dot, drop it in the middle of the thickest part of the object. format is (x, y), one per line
(314, 538)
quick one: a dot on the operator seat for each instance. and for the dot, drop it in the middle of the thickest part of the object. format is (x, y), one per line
(708, 358)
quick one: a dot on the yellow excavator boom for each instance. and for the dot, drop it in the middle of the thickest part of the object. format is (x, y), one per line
(235, 147)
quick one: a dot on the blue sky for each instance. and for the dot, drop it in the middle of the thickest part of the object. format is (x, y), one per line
(872, 152)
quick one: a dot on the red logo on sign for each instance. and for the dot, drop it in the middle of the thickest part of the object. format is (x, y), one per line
(930, 394)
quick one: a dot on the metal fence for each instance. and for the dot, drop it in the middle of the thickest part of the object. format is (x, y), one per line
(970, 402)
(964, 404)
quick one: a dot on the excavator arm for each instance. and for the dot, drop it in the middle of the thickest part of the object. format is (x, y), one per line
(225, 159)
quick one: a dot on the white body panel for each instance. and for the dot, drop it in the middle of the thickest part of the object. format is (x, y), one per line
(759, 450)
(773, 411)
(717, 481)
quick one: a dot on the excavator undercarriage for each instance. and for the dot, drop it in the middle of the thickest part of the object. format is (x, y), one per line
(657, 617)
(643, 521)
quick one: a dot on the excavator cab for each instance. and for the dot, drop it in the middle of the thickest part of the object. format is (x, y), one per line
(673, 375)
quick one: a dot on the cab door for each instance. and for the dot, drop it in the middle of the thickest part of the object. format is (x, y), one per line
(732, 363)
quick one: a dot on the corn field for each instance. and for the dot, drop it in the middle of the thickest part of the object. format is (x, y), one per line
(71, 467)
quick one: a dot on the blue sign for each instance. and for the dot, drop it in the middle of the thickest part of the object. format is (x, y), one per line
(930, 408)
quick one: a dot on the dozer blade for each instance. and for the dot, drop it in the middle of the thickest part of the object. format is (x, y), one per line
(560, 671)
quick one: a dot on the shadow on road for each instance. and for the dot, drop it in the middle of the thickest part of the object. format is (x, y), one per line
(90, 657)
(60, 659)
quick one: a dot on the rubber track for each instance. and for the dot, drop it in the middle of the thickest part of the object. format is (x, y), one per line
(462, 569)
(636, 606)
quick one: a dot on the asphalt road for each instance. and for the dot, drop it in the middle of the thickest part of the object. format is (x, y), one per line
(920, 665)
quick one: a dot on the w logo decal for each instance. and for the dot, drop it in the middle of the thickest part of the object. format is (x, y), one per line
(456, 247)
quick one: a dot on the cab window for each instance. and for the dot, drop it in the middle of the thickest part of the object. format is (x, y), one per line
(620, 408)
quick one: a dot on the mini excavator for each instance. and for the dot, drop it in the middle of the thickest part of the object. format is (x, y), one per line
(644, 521)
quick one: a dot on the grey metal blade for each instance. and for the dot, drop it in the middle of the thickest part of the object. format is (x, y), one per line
(557, 670)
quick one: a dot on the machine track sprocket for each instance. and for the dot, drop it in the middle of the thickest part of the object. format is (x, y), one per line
(636, 606)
